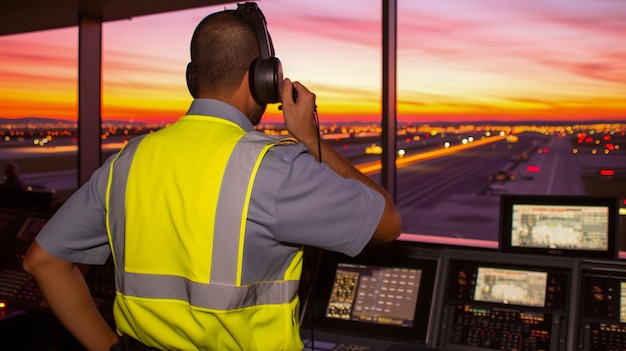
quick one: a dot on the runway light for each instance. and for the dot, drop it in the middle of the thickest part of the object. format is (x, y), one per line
(532, 169)
(607, 172)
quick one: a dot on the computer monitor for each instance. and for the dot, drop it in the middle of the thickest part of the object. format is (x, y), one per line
(578, 226)
(384, 297)
(511, 286)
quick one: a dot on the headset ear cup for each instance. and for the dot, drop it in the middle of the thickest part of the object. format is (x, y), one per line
(266, 77)
(191, 80)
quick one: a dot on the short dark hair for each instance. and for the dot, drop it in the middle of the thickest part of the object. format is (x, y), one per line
(223, 46)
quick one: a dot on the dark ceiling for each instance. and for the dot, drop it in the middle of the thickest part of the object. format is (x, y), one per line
(20, 16)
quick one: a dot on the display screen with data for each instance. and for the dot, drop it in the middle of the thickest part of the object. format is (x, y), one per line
(385, 297)
(509, 286)
(382, 295)
(559, 225)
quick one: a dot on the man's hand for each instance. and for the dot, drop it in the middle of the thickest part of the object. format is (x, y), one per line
(300, 124)
(299, 114)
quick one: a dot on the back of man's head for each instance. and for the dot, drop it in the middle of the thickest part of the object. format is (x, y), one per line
(222, 47)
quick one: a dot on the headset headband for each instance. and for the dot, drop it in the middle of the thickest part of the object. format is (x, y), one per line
(258, 21)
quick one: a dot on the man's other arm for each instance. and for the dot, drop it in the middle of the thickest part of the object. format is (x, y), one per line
(66, 293)
(299, 122)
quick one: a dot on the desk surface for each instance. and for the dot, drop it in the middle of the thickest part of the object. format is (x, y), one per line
(326, 341)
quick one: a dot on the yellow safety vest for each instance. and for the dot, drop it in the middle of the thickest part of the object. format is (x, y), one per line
(177, 203)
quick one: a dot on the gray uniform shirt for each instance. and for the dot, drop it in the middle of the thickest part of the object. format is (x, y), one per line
(295, 201)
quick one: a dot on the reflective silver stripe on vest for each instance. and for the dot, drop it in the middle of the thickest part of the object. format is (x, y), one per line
(225, 294)
(117, 207)
(217, 297)
(231, 200)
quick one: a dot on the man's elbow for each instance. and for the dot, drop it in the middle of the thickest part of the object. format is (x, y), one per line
(395, 230)
(35, 258)
(389, 228)
(395, 223)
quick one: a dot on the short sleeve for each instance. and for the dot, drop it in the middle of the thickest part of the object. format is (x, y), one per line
(77, 231)
(312, 205)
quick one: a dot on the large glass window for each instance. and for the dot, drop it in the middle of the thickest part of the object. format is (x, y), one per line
(143, 70)
(506, 97)
(493, 97)
(38, 108)
(334, 51)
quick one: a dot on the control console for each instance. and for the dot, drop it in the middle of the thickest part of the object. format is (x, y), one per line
(603, 308)
(505, 307)
(18, 289)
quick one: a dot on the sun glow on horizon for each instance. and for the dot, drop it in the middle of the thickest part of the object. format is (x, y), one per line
(487, 60)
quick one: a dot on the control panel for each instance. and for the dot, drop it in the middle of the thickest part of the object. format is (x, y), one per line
(603, 309)
(505, 307)
(18, 289)
(10, 224)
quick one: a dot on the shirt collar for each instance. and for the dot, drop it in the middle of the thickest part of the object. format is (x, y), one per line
(216, 108)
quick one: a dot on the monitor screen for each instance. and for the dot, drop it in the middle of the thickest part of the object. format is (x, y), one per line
(559, 225)
(510, 286)
(380, 295)
(373, 296)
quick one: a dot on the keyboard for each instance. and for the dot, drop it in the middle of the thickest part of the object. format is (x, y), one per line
(320, 345)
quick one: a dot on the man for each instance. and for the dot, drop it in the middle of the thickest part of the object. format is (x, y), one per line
(13, 181)
(206, 219)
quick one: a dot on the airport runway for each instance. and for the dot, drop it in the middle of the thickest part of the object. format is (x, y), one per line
(449, 194)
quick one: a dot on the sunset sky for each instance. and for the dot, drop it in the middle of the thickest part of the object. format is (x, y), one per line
(466, 60)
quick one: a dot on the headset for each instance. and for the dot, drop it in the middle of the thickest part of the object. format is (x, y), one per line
(266, 72)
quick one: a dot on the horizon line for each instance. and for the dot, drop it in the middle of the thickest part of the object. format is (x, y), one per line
(365, 120)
